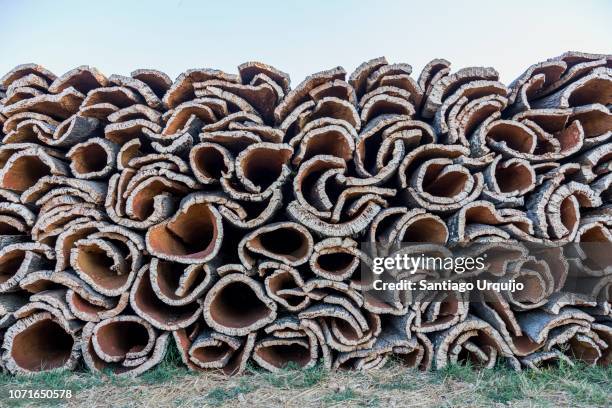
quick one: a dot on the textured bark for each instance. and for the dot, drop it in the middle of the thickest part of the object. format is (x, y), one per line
(238, 213)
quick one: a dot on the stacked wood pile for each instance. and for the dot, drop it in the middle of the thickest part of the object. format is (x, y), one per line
(226, 212)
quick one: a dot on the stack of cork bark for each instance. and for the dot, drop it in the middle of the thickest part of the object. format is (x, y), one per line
(227, 212)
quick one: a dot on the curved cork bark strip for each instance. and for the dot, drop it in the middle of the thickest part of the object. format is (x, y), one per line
(58, 106)
(28, 127)
(385, 104)
(40, 342)
(526, 139)
(83, 79)
(135, 112)
(118, 96)
(204, 349)
(335, 258)
(467, 108)
(445, 309)
(449, 83)
(49, 189)
(84, 308)
(27, 166)
(15, 219)
(193, 235)
(262, 97)
(596, 121)
(507, 179)
(551, 71)
(345, 327)
(605, 334)
(300, 93)
(73, 130)
(593, 163)
(395, 225)
(538, 281)
(289, 344)
(142, 199)
(432, 72)
(158, 81)
(18, 94)
(592, 88)
(107, 257)
(335, 108)
(122, 132)
(182, 89)
(284, 285)
(480, 220)
(331, 140)
(286, 242)
(391, 343)
(40, 281)
(538, 324)
(124, 345)
(352, 227)
(263, 166)
(23, 70)
(179, 285)
(473, 340)
(440, 178)
(93, 159)
(212, 350)
(189, 117)
(237, 305)
(577, 342)
(32, 81)
(359, 77)
(337, 89)
(544, 359)
(252, 70)
(150, 98)
(383, 142)
(250, 215)
(316, 180)
(146, 302)
(554, 207)
(17, 260)
(210, 162)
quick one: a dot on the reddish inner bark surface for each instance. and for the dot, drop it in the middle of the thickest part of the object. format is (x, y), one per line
(42, 346)
(228, 312)
(122, 337)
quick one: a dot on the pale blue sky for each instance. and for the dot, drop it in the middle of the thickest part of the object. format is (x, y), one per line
(297, 37)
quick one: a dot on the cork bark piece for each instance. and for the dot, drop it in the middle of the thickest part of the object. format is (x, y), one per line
(182, 89)
(105, 350)
(178, 239)
(156, 80)
(59, 106)
(146, 301)
(237, 305)
(40, 342)
(297, 95)
(23, 70)
(449, 83)
(93, 159)
(235, 214)
(83, 79)
(287, 242)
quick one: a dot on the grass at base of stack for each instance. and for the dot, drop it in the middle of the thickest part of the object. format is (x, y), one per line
(170, 384)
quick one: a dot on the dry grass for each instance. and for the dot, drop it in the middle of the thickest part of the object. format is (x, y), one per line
(171, 385)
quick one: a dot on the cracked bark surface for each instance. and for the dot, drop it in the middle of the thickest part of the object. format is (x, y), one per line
(227, 212)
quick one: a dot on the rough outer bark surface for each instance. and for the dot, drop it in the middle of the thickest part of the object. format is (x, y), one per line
(226, 212)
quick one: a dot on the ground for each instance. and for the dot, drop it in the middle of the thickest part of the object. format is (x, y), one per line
(172, 385)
